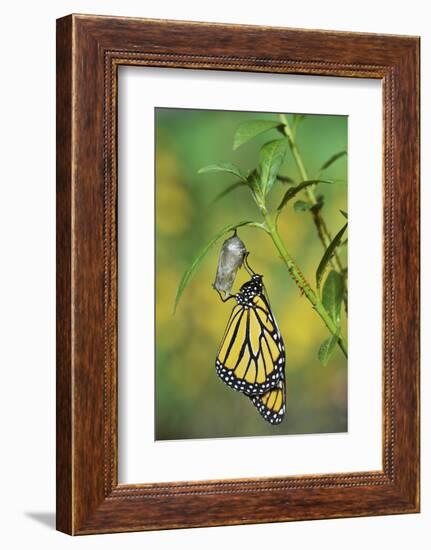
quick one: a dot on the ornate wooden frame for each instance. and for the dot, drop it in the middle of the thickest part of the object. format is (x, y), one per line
(89, 51)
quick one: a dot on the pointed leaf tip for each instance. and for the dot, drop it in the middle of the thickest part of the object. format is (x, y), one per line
(327, 349)
(329, 252)
(332, 159)
(271, 158)
(332, 295)
(226, 167)
(252, 128)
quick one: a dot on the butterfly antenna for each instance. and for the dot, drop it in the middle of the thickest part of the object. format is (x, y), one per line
(247, 265)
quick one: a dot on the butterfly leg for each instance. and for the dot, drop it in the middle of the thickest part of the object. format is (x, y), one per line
(221, 297)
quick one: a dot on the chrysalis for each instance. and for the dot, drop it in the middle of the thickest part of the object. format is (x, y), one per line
(231, 257)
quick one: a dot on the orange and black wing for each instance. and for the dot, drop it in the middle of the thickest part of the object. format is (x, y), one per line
(251, 357)
(272, 404)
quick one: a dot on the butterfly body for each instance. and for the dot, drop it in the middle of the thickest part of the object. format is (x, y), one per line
(251, 358)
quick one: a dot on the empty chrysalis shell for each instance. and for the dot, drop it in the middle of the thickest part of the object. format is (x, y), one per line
(231, 257)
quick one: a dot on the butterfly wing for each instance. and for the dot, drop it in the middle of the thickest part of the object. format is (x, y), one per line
(272, 404)
(251, 357)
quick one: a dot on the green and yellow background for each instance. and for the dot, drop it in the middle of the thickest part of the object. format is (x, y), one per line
(191, 401)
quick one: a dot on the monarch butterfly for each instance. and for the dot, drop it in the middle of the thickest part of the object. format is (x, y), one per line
(251, 356)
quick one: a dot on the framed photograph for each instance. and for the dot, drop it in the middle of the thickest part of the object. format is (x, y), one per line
(237, 274)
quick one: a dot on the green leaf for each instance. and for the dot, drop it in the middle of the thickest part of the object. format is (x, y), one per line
(253, 180)
(302, 206)
(226, 167)
(252, 128)
(337, 182)
(331, 160)
(228, 190)
(270, 160)
(290, 193)
(285, 179)
(329, 252)
(327, 349)
(198, 260)
(332, 295)
(344, 214)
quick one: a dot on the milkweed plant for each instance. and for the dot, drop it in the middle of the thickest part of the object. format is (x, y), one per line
(328, 293)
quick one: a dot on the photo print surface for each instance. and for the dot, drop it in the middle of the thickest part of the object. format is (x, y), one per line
(251, 273)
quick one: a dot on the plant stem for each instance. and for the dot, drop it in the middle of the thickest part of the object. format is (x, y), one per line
(301, 282)
(319, 222)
